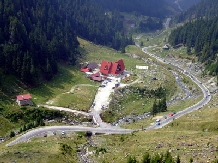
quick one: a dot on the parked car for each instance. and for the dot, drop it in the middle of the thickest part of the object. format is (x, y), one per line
(63, 133)
(158, 124)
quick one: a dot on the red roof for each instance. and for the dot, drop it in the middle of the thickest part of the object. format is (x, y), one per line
(97, 78)
(171, 114)
(84, 70)
(113, 68)
(97, 74)
(24, 97)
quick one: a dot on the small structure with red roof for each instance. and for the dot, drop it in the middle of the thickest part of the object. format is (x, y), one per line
(96, 77)
(89, 67)
(24, 100)
(113, 68)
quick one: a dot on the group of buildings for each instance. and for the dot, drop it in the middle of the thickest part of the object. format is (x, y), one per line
(103, 71)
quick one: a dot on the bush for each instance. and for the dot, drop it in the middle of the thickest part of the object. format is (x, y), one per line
(12, 134)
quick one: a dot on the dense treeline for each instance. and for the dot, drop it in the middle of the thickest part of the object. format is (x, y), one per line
(160, 158)
(31, 114)
(183, 4)
(94, 24)
(205, 8)
(200, 37)
(36, 34)
(152, 8)
(157, 158)
(150, 24)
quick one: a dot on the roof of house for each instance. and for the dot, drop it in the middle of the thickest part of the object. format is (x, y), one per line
(113, 68)
(97, 78)
(92, 65)
(97, 74)
(24, 97)
(84, 69)
(26, 102)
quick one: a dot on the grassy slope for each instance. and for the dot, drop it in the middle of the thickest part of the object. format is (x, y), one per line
(194, 135)
(43, 150)
(117, 147)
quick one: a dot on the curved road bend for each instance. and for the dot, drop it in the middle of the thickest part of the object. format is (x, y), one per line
(39, 132)
(110, 130)
(197, 106)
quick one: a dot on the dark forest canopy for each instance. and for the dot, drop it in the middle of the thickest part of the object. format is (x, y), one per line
(36, 34)
(201, 37)
(151, 8)
(182, 5)
(205, 8)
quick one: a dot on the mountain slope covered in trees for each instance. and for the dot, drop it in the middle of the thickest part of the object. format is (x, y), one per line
(205, 8)
(151, 8)
(201, 37)
(182, 5)
(36, 34)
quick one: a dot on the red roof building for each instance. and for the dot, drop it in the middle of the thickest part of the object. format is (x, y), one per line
(113, 68)
(89, 67)
(85, 70)
(96, 77)
(25, 99)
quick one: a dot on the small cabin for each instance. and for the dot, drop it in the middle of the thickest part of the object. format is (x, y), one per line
(24, 100)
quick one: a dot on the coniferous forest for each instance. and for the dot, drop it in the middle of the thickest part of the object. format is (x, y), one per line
(199, 37)
(36, 34)
(151, 8)
(205, 8)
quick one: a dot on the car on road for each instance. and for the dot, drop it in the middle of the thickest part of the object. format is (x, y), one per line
(102, 85)
(171, 114)
(157, 123)
(63, 133)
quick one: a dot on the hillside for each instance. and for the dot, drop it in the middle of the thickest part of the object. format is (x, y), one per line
(205, 8)
(151, 8)
(44, 44)
(200, 38)
(190, 137)
(182, 5)
(36, 35)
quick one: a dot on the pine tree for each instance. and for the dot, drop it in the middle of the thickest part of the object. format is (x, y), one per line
(131, 159)
(146, 158)
(154, 109)
(12, 134)
(178, 159)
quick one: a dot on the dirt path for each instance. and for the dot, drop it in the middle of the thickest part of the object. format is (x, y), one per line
(66, 109)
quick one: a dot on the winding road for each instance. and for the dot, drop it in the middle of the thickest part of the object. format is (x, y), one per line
(39, 132)
(197, 106)
(107, 128)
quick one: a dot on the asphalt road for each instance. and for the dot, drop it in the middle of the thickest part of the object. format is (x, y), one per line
(40, 131)
(197, 106)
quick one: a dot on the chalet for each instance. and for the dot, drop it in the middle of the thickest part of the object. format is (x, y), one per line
(24, 100)
(89, 67)
(113, 68)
